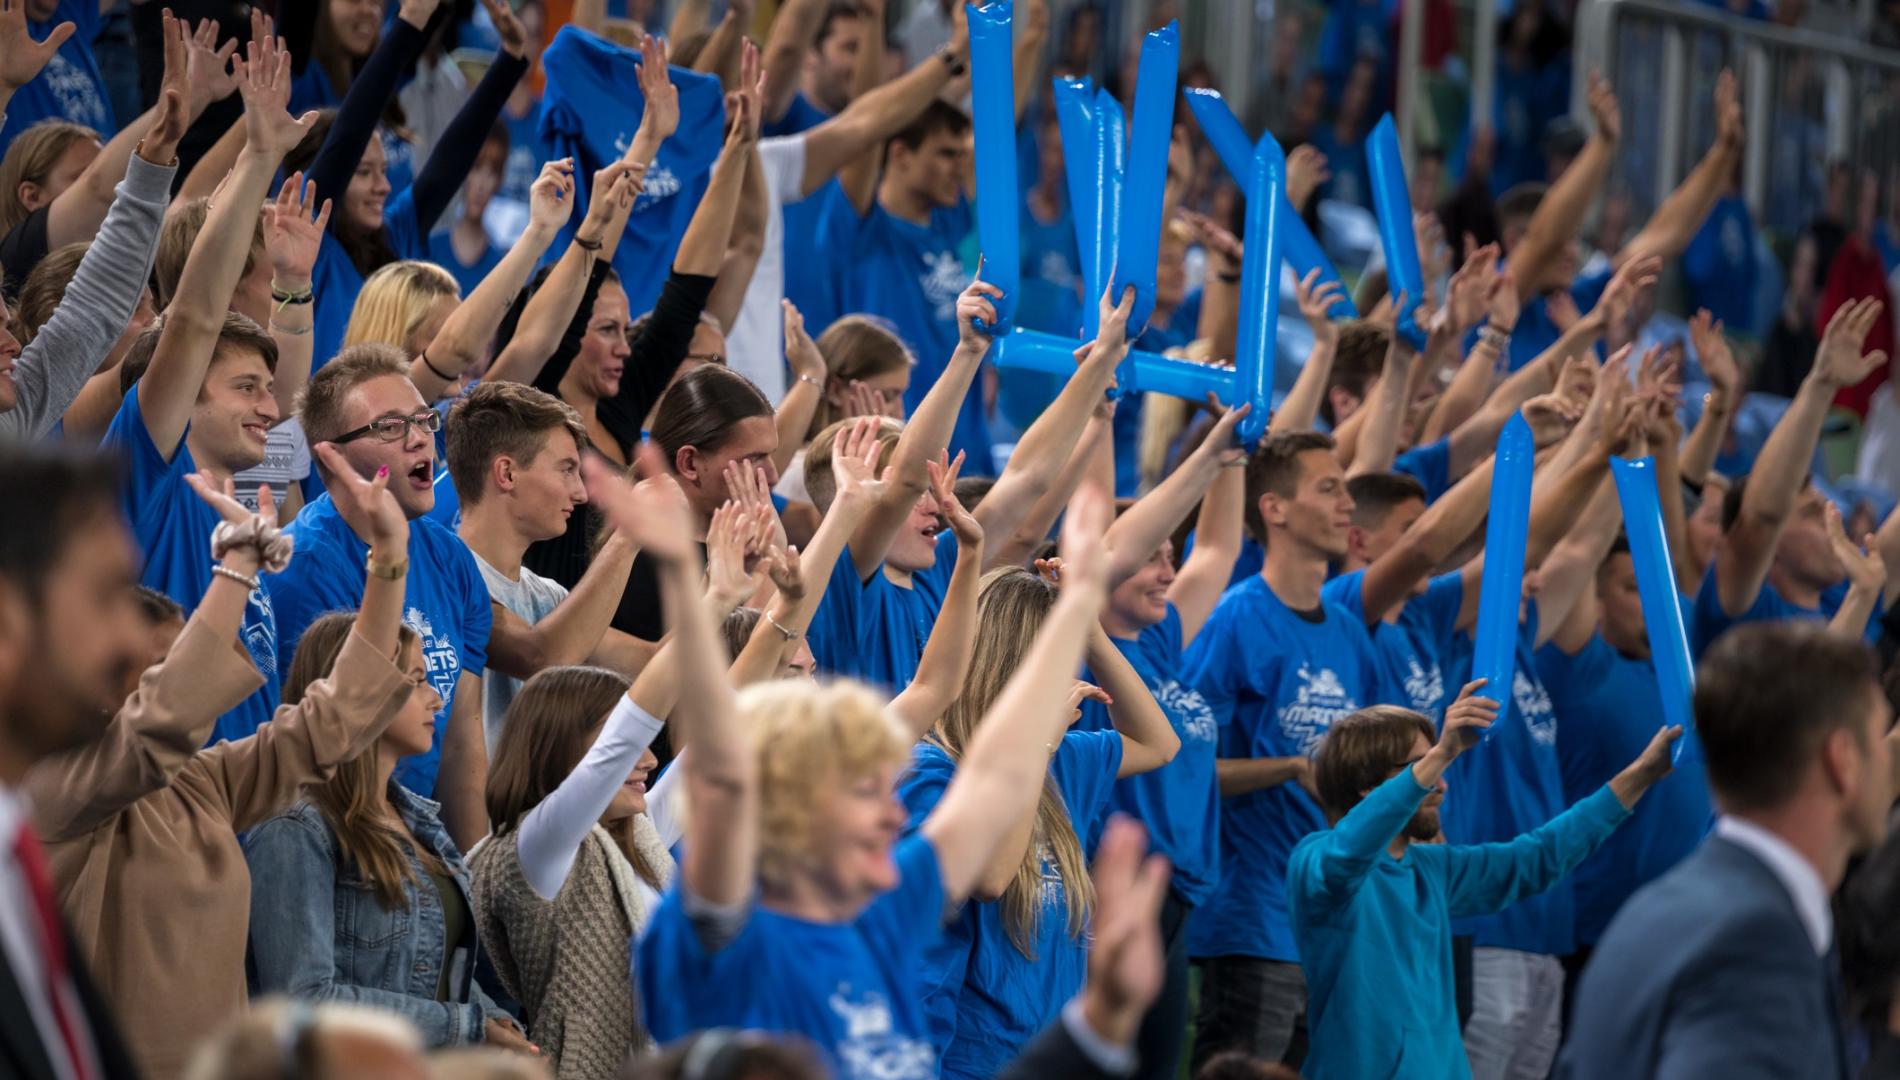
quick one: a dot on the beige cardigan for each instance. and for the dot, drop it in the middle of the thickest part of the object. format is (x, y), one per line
(141, 828)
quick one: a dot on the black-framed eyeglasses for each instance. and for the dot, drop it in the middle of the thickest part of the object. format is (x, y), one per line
(394, 428)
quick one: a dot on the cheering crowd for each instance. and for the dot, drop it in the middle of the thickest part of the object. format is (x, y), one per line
(531, 568)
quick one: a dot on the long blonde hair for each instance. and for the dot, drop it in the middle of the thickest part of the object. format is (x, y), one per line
(811, 739)
(1010, 610)
(394, 302)
(352, 801)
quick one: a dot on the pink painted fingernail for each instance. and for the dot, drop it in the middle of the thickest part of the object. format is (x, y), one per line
(382, 471)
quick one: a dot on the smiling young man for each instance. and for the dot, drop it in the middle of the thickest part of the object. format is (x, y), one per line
(362, 413)
(204, 402)
(515, 457)
(1277, 665)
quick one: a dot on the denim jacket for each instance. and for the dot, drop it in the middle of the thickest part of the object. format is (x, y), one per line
(318, 931)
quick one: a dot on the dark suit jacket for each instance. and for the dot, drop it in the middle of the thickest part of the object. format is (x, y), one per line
(1052, 1055)
(1707, 972)
(23, 1055)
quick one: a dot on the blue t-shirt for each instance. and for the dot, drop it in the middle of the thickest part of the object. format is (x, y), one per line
(1275, 682)
(984, 999)
(1049, 300)
(1709, 621)
(173, 526)
(1411, 651)
(335, 280)
(445, 603)
(467, 276)
(876, 630)
(851, 988)
(1507, 786)
(817, 226)
(1430, 465)
(590, 111)
(1611, 706)
(69, 87)
(911, 274)
(800, 115)
(1180, 801)
(1719, 266)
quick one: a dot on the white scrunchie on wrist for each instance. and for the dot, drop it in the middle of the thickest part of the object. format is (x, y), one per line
(272, 544)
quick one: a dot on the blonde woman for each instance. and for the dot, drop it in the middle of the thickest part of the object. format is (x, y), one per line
(799, 909)
(404, 304)
(1012, 958)
(357, 893)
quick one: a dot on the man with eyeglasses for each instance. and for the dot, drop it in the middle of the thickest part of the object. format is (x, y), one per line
(361, 412)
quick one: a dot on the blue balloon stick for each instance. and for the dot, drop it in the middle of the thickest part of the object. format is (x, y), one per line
(993, 100)
(1656, 585)
(1494, 651)
(1394, 206)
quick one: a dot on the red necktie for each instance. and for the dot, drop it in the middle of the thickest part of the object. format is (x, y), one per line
(32, 860)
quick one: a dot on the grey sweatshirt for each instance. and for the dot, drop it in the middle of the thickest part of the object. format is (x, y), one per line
(97, 306)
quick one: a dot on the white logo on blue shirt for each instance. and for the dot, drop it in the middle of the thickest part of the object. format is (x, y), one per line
(1195, 720)
(438, 653)
(870, 1048)
(77, 94)
(1426, 687)
(943, 280)
(260, 634)
(1319, 700)
(1533, 704)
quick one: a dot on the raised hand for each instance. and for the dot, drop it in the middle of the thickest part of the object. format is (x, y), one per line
(263, 78)
(291, 236)
(1127, 961)
(800, 351)
(1113, 333)
(208, 66)
(1866, 570)
(367, 506)
(727, 538)
(747, 484)
(861, 400)
(175, 105)
(615, 188)
(975, 302)
(1469, 296)
(745, 124)
(1604, 109)
(943, 487)
(551, 196)
(1712, 352)
(1505, 305)
(855, 450)
(1220, 440)
(1316, 300)
(788, 576)
(1085, 691)
(1729, 131)
(1551, 416)
(653, 514)
(1305, 171)
(1466, 720)
(1214, 239)
(22, 58)
(661, 115)
(1630, 282)
(1840, 362)
(222, 496)
(514, 36)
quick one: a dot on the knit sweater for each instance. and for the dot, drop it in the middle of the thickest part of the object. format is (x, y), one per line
(97, 305)
(141, 829)
(565, 960)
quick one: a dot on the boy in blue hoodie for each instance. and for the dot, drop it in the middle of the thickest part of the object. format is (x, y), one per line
(1371, 909)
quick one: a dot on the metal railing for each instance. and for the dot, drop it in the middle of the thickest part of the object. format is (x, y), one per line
(1810, 98)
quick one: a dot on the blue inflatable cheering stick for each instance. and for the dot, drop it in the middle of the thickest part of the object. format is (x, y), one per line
(1396, 238)
(1260, 287)
(1656, 585)
(1139, 244)
(992, 90)
(1494, 651)
(1229, 140)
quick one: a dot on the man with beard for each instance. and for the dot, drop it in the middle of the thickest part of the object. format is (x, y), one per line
(1372, 905)
(69, 634)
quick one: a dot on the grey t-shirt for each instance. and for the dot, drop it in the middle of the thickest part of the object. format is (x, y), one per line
(532, 598)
